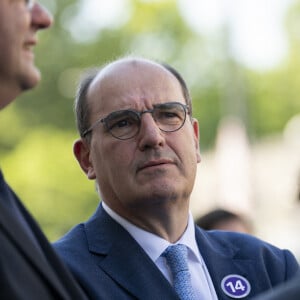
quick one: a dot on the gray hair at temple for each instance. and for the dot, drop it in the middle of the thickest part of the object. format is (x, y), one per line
(82, 112)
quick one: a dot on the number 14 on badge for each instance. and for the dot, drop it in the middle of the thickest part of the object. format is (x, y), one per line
(235, 286)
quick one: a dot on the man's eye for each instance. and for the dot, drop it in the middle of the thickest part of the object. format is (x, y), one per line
(121, 123)
(168, 115)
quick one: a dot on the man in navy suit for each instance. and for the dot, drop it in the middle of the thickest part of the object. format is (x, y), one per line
(140, 143)
(29, 267)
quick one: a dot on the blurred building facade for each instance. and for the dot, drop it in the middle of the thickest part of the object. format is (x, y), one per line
(259, 180)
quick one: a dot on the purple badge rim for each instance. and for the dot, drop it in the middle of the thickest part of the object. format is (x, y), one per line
(232, 295)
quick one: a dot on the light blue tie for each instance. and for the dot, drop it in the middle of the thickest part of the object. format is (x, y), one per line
(176, 257)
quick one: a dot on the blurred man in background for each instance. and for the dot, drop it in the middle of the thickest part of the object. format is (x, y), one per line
(223, 219)
(29, 267)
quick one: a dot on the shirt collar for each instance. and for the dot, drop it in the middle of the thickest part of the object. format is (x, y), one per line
(152, 244)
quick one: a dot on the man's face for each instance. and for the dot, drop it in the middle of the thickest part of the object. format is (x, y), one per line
(154, 167)
(18, 27)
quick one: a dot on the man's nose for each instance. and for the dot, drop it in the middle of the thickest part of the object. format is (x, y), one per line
(150, 136)
(40, 17)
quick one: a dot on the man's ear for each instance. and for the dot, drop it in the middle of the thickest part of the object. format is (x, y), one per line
(197, 138)
(81, 150)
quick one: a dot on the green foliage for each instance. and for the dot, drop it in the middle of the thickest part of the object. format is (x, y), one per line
(274, 100)
(43, 171)
(38, 130)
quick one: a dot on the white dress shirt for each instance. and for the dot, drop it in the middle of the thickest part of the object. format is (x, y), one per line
(154, 246)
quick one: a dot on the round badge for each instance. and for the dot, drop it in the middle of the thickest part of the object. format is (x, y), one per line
(235, 286)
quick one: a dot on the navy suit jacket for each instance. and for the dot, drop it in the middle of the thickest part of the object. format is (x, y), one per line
(30, 269)
(110, 264)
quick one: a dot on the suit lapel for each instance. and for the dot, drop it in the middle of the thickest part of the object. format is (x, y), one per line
(23, 242)
(222, 260)
(121, 257)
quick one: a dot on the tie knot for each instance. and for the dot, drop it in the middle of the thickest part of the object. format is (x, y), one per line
(176, 256)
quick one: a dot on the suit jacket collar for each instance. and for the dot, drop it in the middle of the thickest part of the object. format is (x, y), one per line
(121, 257)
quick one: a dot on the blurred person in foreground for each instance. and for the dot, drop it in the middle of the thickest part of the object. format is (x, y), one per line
(223, 219)
(29, 267)
(286, 291)
(140, 143)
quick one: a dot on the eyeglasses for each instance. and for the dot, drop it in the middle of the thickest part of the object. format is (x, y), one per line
(29, 4)
(125, 124)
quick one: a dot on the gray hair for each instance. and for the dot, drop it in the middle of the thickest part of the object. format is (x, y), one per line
(81, 107)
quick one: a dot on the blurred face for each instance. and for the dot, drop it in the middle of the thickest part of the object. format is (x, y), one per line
(232, 225)
(152, 169)
(19, 23)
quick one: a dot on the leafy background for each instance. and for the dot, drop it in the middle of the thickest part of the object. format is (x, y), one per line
(38, 130)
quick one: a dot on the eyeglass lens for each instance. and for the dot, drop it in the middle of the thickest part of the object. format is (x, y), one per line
(125, 124)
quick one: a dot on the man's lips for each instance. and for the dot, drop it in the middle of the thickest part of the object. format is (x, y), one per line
(154, 163)
(30, 43)
(31, 39)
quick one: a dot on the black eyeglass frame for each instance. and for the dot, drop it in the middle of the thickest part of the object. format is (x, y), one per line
(139, 114)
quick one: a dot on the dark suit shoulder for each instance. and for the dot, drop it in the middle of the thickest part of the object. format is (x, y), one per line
(250, 244)
(74, 239)
(73, 249)
(289, 291)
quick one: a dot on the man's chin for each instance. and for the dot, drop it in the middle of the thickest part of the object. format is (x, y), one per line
(161, 191)
(31, 80)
